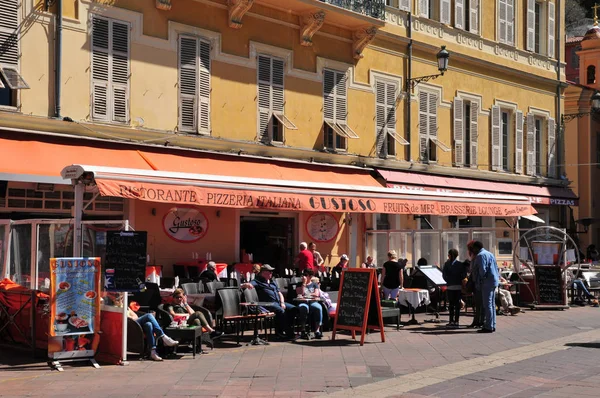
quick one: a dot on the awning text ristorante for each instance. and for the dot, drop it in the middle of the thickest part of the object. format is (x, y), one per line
(298, 201)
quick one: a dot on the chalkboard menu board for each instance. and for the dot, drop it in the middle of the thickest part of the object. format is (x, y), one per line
(358, 303)
(549, 285)
(125, 268)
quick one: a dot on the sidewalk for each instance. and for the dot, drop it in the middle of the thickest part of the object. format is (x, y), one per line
(538, 352)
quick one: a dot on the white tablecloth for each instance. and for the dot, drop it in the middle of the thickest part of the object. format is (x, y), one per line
(414, 297)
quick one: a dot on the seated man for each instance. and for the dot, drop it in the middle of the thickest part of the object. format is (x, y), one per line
(267, 291)
(578, 282)
(506, 298)
(180, 308)
(307, 289)
(210, 274)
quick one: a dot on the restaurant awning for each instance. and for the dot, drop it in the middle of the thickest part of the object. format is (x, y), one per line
(327, 190)
(414, 182)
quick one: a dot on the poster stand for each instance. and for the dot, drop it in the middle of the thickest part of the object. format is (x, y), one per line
(56, 365)
(435, 277)
(359, 305)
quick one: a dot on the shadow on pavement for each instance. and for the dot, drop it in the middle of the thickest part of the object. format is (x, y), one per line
(342, 342)
(595, 344)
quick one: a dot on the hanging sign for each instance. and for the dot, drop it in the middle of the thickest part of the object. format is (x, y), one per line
(185, 224)
(74, 307)
(322, 227)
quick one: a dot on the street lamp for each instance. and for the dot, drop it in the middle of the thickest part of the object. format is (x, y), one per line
(443, 57)
(594, 101)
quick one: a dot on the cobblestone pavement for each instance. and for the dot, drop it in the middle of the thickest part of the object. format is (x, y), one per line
(547, 353)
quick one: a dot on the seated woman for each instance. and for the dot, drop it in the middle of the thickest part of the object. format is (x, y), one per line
(180, 308)
(152, 329)
(309, 288)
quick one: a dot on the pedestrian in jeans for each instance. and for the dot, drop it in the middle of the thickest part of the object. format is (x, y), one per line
(487, 279)
(454, 272)
(392, 276)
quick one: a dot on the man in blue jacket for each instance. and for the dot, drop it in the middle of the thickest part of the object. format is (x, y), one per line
(487, 279)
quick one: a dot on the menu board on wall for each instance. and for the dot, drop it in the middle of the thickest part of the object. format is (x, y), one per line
(125, 261)
(74, 307)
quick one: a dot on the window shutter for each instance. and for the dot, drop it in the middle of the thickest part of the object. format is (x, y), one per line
(519, 143)
(459, 132)
(204, 88)
(380, 116)
(459, 13)
(496, 137)
(530, 144)
(510, 22)
(432, 115)
(100, 68)
(551, 148)
(9, 40)
(277, 86)
(423, 124)
(120, 71)
(445, 11)
(474, 132)
(530, 25)
(404, 5)
(424, 8)
(551, 29)
(390, 98)
(502, 21)
(264, 98)
(328, 95)
(340, 94)
(474, 16)
(188, 83)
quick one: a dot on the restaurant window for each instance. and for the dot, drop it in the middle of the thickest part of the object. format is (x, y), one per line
(382, 221)
(10, 78)
(194, 85)
(335, 104)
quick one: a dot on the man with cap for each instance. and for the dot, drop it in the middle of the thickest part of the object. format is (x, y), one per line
(210, 273)
(267, 291)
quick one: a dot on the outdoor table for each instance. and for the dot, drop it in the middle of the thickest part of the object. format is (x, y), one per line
(256, 340)
(413, 298)
(186, 333)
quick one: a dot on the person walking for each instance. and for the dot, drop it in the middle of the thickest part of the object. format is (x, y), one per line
(392, 276)
(487, 280)
(454, 273)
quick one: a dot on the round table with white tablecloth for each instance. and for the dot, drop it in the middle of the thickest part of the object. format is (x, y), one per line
(413, 298)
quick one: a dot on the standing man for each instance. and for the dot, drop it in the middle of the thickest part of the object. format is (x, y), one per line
(304, 259)
(210, 273)
(487, 280)
(317, 258)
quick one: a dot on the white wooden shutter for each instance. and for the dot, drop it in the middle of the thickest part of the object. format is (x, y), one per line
(9, 39)
(459, 132)
(328, 94)
(445, 11)
(380, 116)
(510, 22)
(459, 13)
(340, 97)
(424, 8)
(390, 99)
(423, 124)
(433, 98)
(496, 149)
(502, 21)
(551, 29)
(100, 68)
(204, 87)
(404, 5)
(188, 84)
(474, 132)
(530, 144)
(264, 98)
(530, 25)
(474, 16)
(551, 148)
(120, 71)
(519, 142)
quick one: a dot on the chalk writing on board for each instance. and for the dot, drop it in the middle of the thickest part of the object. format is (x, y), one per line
(126, 254)
(549, 285)
(353, 299)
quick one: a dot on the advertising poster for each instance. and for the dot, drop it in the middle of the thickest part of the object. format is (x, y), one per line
(74, 306)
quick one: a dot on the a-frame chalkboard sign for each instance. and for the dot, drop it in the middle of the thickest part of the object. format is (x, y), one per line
(358, 306)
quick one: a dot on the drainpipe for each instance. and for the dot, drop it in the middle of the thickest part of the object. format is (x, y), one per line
(560, 143)
(408, 91)
(58, 58)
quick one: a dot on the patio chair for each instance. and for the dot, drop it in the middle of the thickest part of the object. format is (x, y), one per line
(214, 286)
(190, 288)
(231, 312)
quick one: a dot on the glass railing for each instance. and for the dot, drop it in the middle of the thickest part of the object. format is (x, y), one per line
(371, 8)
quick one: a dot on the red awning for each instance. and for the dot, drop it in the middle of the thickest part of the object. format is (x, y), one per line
(411, 182)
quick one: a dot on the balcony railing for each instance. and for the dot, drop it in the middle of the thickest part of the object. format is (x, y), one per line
(371, 8)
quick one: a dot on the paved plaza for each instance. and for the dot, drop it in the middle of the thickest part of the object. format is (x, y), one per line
(537, 353)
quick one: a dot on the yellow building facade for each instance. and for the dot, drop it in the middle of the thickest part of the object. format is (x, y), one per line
(334, 82)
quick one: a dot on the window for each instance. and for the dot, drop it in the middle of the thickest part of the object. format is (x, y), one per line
(536, 141)
(271, 102)
(470, 222)
(538, 146)
(110, 70)
(466, 114)
(401, 4)
(506, 22)
(502, 138)
(336, 130)
(385, 115)
(466, 15)
(504, 131)
(519, 142)
(10, 79)
(540, 31)
(428, 126)
(194, 85)
(591, 74)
